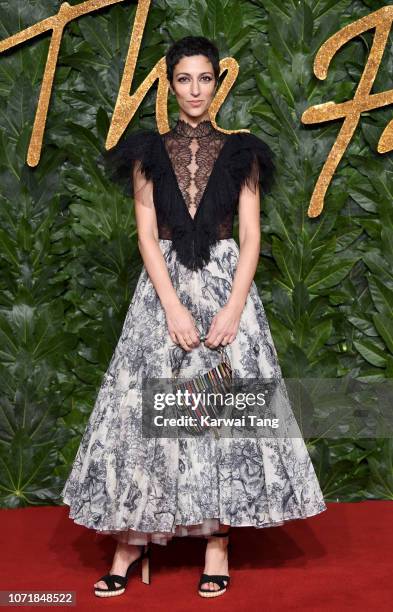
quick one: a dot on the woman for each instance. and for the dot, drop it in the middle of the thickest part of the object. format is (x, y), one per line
(187, 185)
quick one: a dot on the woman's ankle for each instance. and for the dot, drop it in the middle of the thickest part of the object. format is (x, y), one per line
(124, 551)
(224, 529)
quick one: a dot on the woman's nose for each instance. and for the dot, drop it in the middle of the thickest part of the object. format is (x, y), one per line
(195, 88)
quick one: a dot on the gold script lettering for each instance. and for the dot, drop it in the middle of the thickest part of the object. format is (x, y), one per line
(380, 20)
(57, 24)
(126, 105)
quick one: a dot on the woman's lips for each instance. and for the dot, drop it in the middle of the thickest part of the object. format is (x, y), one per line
(196, 103)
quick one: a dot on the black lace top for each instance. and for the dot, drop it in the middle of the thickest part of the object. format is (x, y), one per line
(197, 174)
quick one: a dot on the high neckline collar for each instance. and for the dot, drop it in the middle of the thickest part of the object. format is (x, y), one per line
(203, 128)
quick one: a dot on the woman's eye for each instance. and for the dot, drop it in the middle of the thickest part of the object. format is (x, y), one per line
(181, 79)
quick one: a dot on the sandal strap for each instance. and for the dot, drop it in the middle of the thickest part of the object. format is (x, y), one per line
(110, 580)
(217, 578)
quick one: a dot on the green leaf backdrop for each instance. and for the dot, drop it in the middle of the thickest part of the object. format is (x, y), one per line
(69, 258)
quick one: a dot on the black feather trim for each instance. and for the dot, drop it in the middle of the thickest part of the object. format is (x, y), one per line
(140, 146)
(244, 159)
(250, 161)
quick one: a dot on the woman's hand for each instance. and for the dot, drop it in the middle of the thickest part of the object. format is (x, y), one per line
(181, 327)
(224, 326)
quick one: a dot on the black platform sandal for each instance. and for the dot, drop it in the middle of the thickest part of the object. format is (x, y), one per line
(221, 580)
(111, 579)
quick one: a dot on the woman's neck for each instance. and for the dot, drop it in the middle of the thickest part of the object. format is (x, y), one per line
(183, 127)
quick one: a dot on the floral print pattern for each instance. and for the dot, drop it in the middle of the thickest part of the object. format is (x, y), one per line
(141, 489)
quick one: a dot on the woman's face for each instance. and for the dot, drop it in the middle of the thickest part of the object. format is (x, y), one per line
(193, 81)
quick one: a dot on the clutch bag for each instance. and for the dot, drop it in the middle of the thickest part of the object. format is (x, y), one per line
(215, 380)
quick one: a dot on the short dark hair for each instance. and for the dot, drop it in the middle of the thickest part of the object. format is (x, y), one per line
(192, 45)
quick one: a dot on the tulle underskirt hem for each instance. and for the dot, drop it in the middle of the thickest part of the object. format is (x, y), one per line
(133, 536)
(201, 530)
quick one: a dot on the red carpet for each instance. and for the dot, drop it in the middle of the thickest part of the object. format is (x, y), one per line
(340, 559)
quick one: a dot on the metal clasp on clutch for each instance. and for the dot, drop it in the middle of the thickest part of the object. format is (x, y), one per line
(221, 349)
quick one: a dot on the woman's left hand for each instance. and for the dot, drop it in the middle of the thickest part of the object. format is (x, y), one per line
(224, 326)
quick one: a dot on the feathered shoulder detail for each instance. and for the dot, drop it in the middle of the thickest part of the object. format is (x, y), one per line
(243, 159)
(249, 160)
(140, 146)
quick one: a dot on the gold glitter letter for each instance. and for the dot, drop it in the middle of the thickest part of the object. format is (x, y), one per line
(127, 105)
(56, 23)
(380, 20)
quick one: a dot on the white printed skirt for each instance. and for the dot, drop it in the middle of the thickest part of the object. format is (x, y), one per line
(141, 489)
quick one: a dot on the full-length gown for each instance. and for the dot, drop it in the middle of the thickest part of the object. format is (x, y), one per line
(141, 489)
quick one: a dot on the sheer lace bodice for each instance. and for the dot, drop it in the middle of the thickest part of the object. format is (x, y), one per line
(193, 177)
(193, 152)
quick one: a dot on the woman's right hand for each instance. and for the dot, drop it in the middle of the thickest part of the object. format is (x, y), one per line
(181, 327)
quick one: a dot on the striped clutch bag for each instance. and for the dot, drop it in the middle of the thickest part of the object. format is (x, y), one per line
(215, 380)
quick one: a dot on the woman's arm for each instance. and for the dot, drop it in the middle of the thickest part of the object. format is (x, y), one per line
(181, 325)
(224, 325)
(250, 245)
